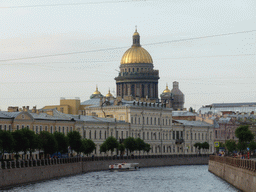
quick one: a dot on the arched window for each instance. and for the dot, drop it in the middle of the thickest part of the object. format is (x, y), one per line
(84, 134)
(138, 120)
(151, 121)
(195, 136)
(100, 134)
(105, 134)
(202, 136)
(90, 134)
(155, 121)
(198, 136)
(135, 119)
(131, 120)
(95, 134)
(148, 135)
(147, 120)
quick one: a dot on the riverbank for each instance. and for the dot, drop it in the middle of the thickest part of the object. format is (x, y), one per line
(16, 173)
(240, 173)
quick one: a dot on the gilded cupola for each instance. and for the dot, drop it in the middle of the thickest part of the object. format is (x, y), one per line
(109, 94)
(136, 54)
(167, 90)
(96, 94)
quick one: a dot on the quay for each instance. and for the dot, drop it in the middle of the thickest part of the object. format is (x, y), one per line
(30, 171)
(240, 173)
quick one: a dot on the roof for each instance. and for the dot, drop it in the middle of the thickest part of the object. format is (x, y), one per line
(182, 113)
(194, 123)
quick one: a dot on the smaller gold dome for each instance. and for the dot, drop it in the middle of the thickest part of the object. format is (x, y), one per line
(135, 33)
(109, 94)
(167, 90)
(97, 91)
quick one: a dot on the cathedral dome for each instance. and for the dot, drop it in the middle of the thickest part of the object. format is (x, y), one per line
(136, 54)
(167, 90)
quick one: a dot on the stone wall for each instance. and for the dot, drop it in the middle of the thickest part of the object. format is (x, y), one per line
(34, 172)
(240, 177)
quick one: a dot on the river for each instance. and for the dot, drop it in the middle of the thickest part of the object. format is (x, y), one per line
(194, 178)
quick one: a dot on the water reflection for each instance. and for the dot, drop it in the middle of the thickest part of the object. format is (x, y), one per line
(174, 178)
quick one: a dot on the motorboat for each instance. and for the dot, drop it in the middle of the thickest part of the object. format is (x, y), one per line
(124, 167)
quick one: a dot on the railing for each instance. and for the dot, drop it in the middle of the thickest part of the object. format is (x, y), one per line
(236, 162)
(49, 162)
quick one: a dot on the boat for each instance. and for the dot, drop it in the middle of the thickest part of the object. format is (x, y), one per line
(124, 167)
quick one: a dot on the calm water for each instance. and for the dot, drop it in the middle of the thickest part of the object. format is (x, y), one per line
(174, 178)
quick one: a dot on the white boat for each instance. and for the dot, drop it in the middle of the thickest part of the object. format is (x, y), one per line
(124, 167)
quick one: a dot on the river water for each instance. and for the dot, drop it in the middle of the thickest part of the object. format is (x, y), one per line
(194, 178)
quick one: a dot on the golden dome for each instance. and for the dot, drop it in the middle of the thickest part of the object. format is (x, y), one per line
(109, 94)
(136, 55)
(97, 91)
(167, 90)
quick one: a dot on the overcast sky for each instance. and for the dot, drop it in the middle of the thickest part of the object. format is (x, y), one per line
(207, 46)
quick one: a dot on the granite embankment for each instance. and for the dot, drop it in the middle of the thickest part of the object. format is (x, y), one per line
(21, 172)
(240, 173)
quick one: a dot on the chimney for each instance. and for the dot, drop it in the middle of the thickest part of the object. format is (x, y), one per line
(34, 109)
(23, 108)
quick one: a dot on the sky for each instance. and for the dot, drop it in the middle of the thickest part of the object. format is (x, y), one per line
(64, 48)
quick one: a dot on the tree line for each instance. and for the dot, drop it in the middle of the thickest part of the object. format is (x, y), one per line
(25, 140)
(245, 140)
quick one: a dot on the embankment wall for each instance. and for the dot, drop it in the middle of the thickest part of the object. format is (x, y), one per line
(241, 178)
(15, 176)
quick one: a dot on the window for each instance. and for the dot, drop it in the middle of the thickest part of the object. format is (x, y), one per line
(116, 134)
(138, 120)
(216, 133)
(177, 135)
(45, 128)
(22, 126)
(1, 127)
(71, 129)
(148, 135)
(135, 120)
(63, 130)
(187, 135)
(10, 128)
(127, 135)
(36, 129)
(67, 129)
(151, 121)
(95, 134)
(202, 136)
(191, 136)
(173, 135)
(158, 121)
(51, 130)
(5, 127)
(163, 121)
(105, 134)
(195, 136)
(131, 120)
(41, 128)
(206, 136)
(166, 122)
(122, 134)
(169, 121)
(90, 134)
(155, 121)
(59, 129)
(159, 136)
(198, 136)
(84, 134)
(147, 120)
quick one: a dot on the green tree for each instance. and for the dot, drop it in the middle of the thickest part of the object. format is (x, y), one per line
(62, 142)
(252, 145)
(30, 140)
(7, 142)
(103, 148)
(147, 147)
(130, 144)
(111, 144)
(18, 142)
(121, 148)
(244, 135)
(49, 143)
(75, 141)
(140, 144)
(87, 146)
(198, 146)
(231, 145)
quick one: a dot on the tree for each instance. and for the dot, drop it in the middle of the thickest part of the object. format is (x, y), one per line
(198, 146)
(62, 142)
(130, 144)
(18, 142)
(30, 138)
(244, 135)
(252, 145)
(7, 142)
(87, 146)
(231, 145)
(103, 148)
(205, 145)
(147, 147)
(49, 143)
(111, 144)
(140, 144)
(75, 141)
(121, 148)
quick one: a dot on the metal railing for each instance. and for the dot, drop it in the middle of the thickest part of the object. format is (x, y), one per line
(49, 162)
(236, 162)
